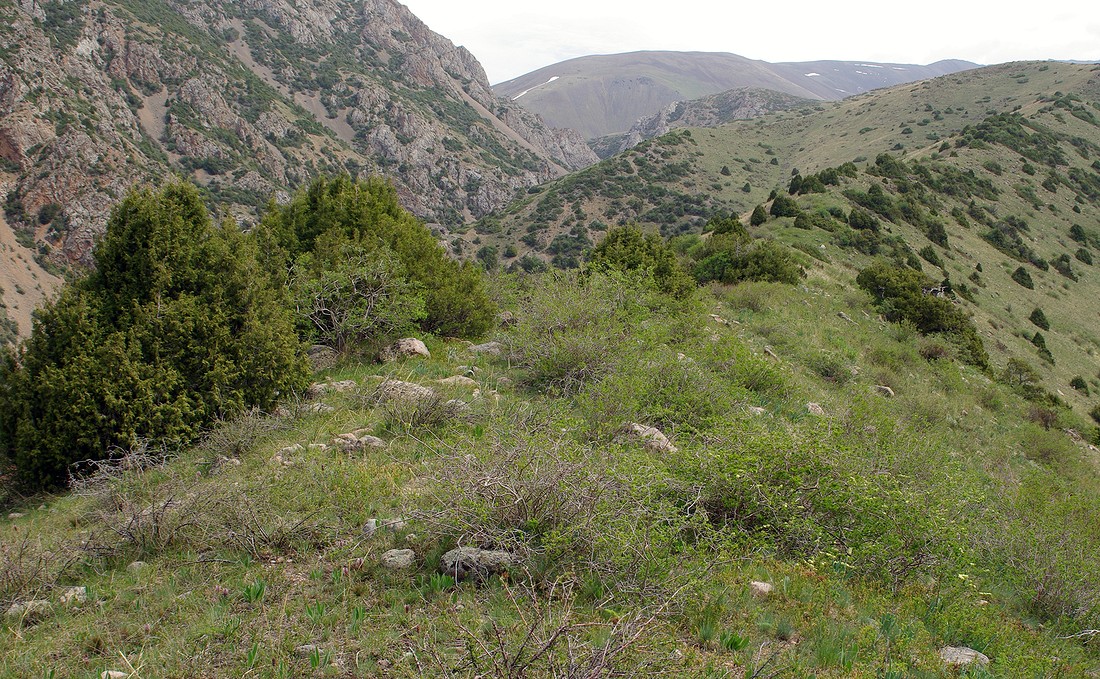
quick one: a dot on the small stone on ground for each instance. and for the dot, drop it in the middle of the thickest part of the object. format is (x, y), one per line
(404, 348)
(960, 656)
(399, 559)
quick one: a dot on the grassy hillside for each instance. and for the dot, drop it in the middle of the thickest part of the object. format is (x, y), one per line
(1033, 176)
(887, 527)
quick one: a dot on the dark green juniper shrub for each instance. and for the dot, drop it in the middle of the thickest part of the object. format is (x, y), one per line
(906, 294)
(332, 214)
(1021, 276)
(177, 326)
(1039, 319)
(731, 256)
(627, 249)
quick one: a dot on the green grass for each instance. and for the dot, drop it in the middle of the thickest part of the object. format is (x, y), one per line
(889, 528)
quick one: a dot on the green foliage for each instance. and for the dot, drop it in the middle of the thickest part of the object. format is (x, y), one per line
(909, 295)
(929, 254)
(489, 256)
(876, 200)
(1039, 319)
(562, 344)
(367, 214)
(862, 220)
(1005, 235)
(729, 258)
(355, 297)
(1080, 384)
(63, 21)
(176, 327)
(1021, 276)
(1028, 138)
(627, 249)
(1063, 266)
(759, 216)
(783, 206)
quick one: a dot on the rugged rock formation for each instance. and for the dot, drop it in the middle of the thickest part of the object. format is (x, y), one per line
(250, 99)
(712, 111)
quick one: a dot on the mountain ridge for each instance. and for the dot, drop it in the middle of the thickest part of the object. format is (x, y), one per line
(605, 94)
(249, 99)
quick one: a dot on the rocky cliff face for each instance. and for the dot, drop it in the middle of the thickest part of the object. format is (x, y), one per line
(712, 111)
(249, 99)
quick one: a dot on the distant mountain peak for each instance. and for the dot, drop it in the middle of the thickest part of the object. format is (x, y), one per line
(606, 94)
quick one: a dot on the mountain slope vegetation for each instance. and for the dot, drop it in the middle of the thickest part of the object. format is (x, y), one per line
(799, 520)
(809, 395)
(969, 188)
(248, 99)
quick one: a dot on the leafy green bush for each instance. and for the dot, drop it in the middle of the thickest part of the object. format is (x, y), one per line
(366, 213)
(627, 249)
(1080, 384)
(906, 294)
(861, 220)
(355, 297)
(732, 258)
(563, 345)
(176, 327)
(1021, 276)
(759, 216)
(1039, 319)
(783, 206)
(1063, 266)
(929, 254)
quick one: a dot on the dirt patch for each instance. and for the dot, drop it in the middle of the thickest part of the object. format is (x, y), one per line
(25, 284)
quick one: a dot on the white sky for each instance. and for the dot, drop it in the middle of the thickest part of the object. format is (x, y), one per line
(513, 37)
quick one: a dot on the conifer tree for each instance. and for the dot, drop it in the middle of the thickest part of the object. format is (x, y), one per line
(175, 327)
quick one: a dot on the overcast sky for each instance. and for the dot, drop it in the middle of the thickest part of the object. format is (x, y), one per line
(513, 37)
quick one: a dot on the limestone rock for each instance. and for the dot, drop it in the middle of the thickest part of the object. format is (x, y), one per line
(29, 611)
(757, 411)
(476, 564)
(457, 408)
(136, 566)
(459, 381)
(318, 389)
(653, 439)
(883, 390)
(815, 409)
(760, 589)
(396, 390)
(491, 348)
(15, 515)
(321, 357)
(113, 674)
(73, 595)
(399, 559)
(353, 442)
(771, 353)
(960, 656)
(372, 526)
(844, 316)
(407, 347)
(318, 409)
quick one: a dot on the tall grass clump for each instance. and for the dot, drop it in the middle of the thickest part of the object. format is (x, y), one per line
(575, 329)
